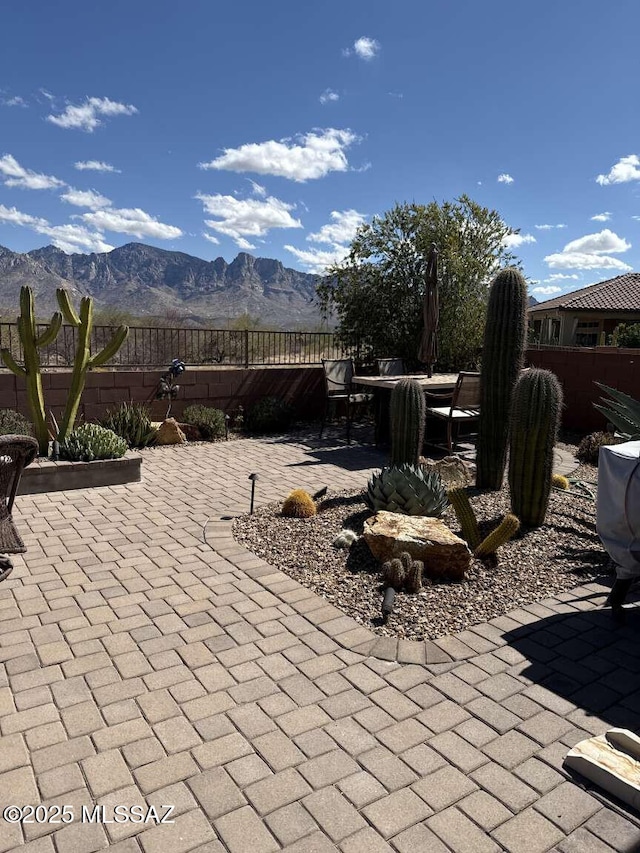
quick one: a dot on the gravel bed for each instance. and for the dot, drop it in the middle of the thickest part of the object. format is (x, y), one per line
(556, 557)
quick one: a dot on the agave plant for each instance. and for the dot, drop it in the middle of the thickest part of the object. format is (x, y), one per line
(407, 489)
(623, 411)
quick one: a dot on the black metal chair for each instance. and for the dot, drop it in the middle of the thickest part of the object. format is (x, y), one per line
(390, 366)
(464, 405)
(16, 452)
(338, 374)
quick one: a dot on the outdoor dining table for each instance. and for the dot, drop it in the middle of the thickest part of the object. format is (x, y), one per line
(383, 385)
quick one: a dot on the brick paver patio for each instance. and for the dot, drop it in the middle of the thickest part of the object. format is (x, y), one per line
(147, 659)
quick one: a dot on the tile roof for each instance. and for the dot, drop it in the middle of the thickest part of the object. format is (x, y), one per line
(621, 293)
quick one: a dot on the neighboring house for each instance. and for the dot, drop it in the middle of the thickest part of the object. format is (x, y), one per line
(579, 318)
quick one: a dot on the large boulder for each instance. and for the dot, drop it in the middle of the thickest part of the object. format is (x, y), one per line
(170, 433)
(445, 555)
(454, 472)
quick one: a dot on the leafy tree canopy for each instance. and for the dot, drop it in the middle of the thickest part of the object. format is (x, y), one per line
(376, 292)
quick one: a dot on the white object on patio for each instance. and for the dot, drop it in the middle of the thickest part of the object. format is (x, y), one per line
(618, 521)
(612, 761)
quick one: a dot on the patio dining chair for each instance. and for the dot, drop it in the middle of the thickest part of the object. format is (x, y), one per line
(16, 452)
(464, 405)
(338, 374)
(390, 366)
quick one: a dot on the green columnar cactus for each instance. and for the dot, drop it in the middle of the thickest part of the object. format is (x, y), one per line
(507, 528)
(413, 576)
(502, 359)
(83, 361)
(459, 500)
(535, 417)
(407, 412)
(31, 343)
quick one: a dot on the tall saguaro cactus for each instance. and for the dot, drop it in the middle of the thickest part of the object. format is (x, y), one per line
(31, 373)
(535, 417)
(502, 360)
(408, 413)
(83, 360)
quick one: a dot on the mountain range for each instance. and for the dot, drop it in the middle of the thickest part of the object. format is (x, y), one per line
(144, 280)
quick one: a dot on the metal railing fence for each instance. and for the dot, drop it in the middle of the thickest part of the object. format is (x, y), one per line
(156, 347)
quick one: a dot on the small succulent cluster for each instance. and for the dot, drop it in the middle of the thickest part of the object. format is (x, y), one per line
(13, 423)
(589, 448)
(403, 572)
(407, 489)
(507, 528)
(209, 421)
(345, 539)
(90, 442)
(132, 422)
(559, 481)
(299, 504)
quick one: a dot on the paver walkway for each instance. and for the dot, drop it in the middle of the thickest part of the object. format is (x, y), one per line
(142, 665)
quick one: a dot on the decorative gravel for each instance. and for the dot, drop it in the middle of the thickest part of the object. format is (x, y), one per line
(556, 557)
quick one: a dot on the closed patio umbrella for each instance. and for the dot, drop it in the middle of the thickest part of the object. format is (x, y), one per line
(428, 349)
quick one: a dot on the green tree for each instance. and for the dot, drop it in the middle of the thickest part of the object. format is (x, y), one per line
(376, 292)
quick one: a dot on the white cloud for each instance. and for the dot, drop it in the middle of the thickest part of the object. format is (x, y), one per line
(559, 276)
(16, 101)
(338, 234)
(317, 260)
(85, 198)
(241, 243)
(95, 166)
(603, 242)
(504, 178)
(312, 155)
(242, 218)
(341, 230)
(17, 176)
(585, 261)
(70, 238)
(512, 241)
(602, 217)
(625, 170)
(132, 221)
(549, 227)
(87, 116)
(257, 189)
(365, 48)
(591, 252)
(547, 291)
(211, 238)
(329, 95)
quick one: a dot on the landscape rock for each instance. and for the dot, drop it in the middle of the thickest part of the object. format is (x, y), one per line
(191, 432)
(445, 555)
(169, 432)
(454, 472)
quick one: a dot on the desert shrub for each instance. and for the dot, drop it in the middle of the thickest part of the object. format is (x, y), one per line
(271, 414)
(299, 504)
(90, 442)
(407, 489)
(13, 423)
(131, 422)
(209, 421)
(628, 336)
(590, 445)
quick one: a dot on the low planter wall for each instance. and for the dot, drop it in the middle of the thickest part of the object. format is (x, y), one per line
(43, 475)
(226, 388)
(577, 368)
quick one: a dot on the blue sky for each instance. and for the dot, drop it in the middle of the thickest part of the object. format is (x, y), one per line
(276, 128)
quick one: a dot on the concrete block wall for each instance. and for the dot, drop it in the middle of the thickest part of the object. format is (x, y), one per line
(224, 388)
(577, 368)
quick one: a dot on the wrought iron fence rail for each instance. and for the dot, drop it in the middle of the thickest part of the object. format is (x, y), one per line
(155, 347)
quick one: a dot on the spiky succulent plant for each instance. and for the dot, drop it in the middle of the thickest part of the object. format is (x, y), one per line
(90, 442)
(407, 489)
